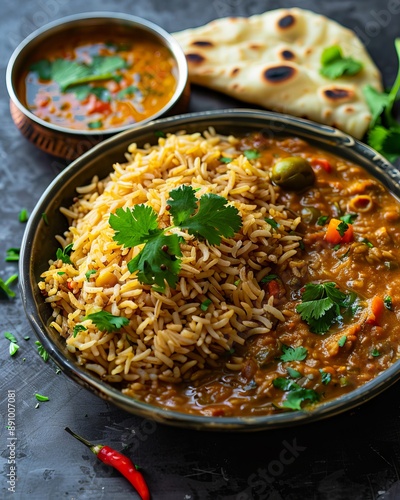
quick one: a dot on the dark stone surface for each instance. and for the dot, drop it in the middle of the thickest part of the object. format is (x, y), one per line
(352, 456)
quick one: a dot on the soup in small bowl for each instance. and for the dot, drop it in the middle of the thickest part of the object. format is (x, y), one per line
(89, 76)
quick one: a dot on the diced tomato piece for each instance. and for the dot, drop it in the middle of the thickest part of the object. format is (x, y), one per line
(333, 236)
(323, 163)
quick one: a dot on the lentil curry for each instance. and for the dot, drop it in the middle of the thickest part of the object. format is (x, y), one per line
(299, 307)
(84, 82)
(293, 367)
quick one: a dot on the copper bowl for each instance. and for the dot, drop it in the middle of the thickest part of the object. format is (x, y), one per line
(68, 143)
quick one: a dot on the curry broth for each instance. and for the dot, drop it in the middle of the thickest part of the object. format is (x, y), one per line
(140, 83)
(362, 341)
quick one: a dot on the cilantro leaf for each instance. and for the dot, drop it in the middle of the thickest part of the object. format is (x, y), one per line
(272, 222)
(128, 92)
(23, 216)
(89, 273)
(204, 305)
(5, 290)
(158, 261)
(78, 328)
(134, 226)
(321, 305)
(41, 398)
(377, 102)
(183, 204)
(107, 321)
(42, 351)
(293, 373)
(12, 254)
(96, 124)
(293, 353)
(342, 228)
(388, 302)
(13, 348)
(342, 341)
(348, 218)
(326, 377)
(335, 65)
(213, 219)
(66, 72)
(251, 154)
(9, 336)
(42, 68)
(296, 394)
(63, 254)
(225, 159)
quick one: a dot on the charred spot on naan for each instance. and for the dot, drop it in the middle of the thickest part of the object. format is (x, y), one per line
(278, 73)
(202, 43)
(234, 71)
(336, 94)
(286, 21)
(287, 55)
(195, 58)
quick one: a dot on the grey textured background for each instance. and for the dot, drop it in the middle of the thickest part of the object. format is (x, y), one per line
(352, 456)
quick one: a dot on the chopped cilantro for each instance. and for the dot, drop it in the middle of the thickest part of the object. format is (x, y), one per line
(348, 218)
(251, 154)
(12, 254)
(342, 228)
(375, 353)
(89, 273)
(5, 290)
(321, 306)
(9, 336)
(293, 373)
(95, 124)
(208, 218)
(367, 242)
(23, 215)
(159, 133)
(13, 348)
(42, 351)
(272, 223)
(41, 398)
(78, 328)
(335, 65)
(321, 221)
(268, 278)
(45, 218)
(388, 302)
(26, 337)
(128, 91)
(296, 394)
(61, 273)
(325, 377)
(107, 321)
(13, 343)
(225, 159)
(204, 305)
(342, 341)
(293, 353)
(63, 254)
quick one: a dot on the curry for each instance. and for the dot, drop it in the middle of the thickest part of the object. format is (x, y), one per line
(89, 83)
(339, 296)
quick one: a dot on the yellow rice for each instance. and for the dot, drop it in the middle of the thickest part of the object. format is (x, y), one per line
(170, 337)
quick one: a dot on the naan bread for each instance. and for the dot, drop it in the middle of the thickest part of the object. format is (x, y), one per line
(273, 60)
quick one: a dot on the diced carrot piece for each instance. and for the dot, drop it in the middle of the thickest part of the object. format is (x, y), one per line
(377, 306)
(333, 236)
(323, 163)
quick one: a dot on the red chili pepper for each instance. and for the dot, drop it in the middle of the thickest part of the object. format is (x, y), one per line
(120, 462)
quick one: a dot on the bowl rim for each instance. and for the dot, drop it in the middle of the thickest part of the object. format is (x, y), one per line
(85, 378)
(67, 22)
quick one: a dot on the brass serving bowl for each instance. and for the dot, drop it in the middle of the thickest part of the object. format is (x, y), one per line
(65, 142)
(39, 245)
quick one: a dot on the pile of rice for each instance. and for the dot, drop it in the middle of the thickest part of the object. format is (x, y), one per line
(170, 337)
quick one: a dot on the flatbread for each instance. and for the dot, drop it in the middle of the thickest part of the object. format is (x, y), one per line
(273, 60)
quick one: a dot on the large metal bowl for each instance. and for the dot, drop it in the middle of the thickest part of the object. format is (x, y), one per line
(68, 143)
(39, 245)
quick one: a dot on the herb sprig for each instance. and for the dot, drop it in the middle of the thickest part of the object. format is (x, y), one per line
(335, 65)
(209, 218)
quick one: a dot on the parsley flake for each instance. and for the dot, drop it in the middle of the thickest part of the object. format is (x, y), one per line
(326, 377)
(23, 215)
(78, 328)
(204, 305)
(272, 223)
(296, 394)
(335, 65)
(388, 302)
(293, 353)
(5, 290)
(342, 341)
(63, 254)
(321, 221)
(251, 154)
(107, 321)
(42, 351)
(41, 398)
(375, 353)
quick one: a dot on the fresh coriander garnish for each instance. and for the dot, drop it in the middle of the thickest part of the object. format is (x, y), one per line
(107, 321)
(268, 278)
(42, 351)
(13, 343)
(375, 353)
(326, 377)
(272, 222)
(388, 302)
(96, 124)
(367, 242)
(296, 394)
(204, 305)
(225, 159)
(342, 341)
(384, 133)
(321, 305)
(160, 133)
(23, 215)
(251, 154)
(293, 353)
(128, 92)
(335, 65)
(5, 290)
(45, 218)
(321, 221)
(63, 254)
(293, 373)
(208, 218)
(348, 218)
(12, 254)
(89, 273)
(41, 398)
(342, 228)
(78, 328)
